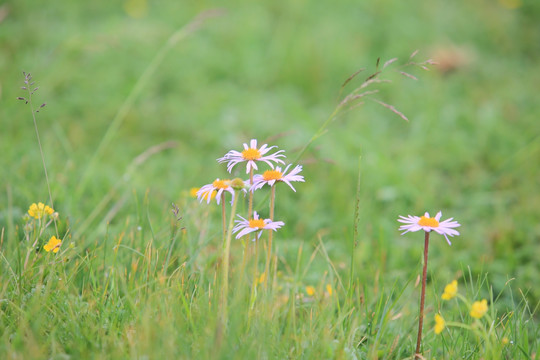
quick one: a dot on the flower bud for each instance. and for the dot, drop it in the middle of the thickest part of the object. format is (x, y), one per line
(237, 184)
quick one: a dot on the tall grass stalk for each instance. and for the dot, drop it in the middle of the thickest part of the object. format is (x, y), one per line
(355, 230)
(29, 88)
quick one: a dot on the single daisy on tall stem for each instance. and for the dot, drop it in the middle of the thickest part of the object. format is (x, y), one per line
(427, 223)
(271, 178)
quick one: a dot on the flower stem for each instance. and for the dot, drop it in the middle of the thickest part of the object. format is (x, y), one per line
(422, 297)
(224, 220)
(250, 205)
(250, 214)
(28, 78)
(270, 232)
(226, 252)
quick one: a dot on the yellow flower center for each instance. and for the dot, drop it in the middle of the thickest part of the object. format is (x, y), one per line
(431, 222)
(251, 154)
(272, 175)
(256, 223)
(221, 184)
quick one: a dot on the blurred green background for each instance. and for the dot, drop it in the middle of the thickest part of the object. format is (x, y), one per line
(272, 71)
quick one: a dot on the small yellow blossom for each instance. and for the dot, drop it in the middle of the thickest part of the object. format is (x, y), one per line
(310, 290)
(53, 244)
(39, 210)
(439, 324)
(450, 290)
(479, 308)
(193, 193)
(511, 4)
(505, 341)
(261, 278)
(329, 289)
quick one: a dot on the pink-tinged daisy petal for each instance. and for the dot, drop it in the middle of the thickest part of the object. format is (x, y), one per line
(244, 226)
(252, 154)
(271, 177)
(427, 223)
(215, 190)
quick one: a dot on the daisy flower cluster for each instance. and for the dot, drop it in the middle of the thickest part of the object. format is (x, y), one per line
(253, 156)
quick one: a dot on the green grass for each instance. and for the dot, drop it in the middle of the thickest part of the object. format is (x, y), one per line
(136, 286)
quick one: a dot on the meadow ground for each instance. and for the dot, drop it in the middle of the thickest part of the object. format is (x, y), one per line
(139, 107)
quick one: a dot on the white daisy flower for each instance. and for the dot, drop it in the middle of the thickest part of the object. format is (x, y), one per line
(426, 223)
(270, 177)
(208, 192)
(251, 154)
(244, 226)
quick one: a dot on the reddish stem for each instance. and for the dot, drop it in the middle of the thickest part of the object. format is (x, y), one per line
(422, 297)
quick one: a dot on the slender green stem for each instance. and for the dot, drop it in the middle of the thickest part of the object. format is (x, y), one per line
(250, 214)
(224, 220)
(250, 204)
(255, 281)
(29, 99)
(226, 252)
(422, 297)
(270, 233)
(320, 132)
(355, 230)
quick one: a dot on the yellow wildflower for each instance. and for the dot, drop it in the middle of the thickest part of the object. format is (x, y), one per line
(193, 193)
(310, 290)
(39, 210)
(439, 324)
(450, 290)
(329, 289)
(53, 244)
(479, 308)
(511, 4)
